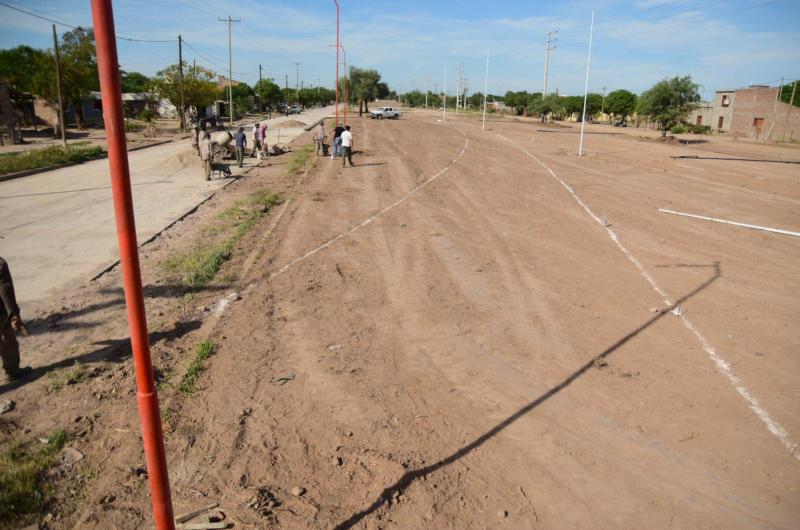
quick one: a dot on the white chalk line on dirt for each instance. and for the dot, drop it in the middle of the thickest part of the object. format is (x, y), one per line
(772, 426)
(378, 214)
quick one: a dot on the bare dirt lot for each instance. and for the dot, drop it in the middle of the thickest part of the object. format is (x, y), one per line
(468, 329)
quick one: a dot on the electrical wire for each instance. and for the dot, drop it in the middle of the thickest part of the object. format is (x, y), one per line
(72, 26)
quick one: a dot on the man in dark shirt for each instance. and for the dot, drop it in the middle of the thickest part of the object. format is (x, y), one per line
(10, 322)
(241, 143)
(337, 141)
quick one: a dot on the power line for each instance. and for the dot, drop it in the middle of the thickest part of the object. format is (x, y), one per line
(72, 26)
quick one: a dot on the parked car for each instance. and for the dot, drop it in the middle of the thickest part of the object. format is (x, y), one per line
(295, 109)
(384, 112)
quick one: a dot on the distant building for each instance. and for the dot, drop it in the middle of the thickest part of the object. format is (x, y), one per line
(753, 111)
(223, 82)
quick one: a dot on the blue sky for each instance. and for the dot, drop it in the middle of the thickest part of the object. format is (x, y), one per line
(721, 43)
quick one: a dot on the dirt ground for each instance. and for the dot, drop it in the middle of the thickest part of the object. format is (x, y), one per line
(468, 329)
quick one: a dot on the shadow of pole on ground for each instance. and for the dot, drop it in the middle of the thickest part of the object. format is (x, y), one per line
(409, 477)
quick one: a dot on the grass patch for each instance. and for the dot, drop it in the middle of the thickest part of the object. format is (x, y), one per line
(22, 485)
(48, 156)
(300, 159)
(200, 264)
(204, 350)
(67, 376)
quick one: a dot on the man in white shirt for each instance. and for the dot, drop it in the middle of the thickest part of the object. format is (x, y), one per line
(347, 145)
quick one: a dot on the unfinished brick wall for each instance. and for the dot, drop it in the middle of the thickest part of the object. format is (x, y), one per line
(757, 114)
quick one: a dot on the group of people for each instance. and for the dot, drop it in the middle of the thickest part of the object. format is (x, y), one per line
(201, 142)
(342, 142)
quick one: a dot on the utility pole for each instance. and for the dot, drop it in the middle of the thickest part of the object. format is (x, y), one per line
(603, 108)
(180, 77)
(297, 81)
(444, 96)
(458, 84)
(260, 91)
(427, 89)
(230, 20)
(286, 91)
(549, 45)
(789, 108)
(61, 124)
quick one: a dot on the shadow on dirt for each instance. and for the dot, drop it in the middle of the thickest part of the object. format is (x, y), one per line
(409, 477)
(65, 320)
(114, 350)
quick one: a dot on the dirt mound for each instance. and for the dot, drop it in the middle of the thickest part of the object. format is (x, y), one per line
(290, 123)
(186, 158)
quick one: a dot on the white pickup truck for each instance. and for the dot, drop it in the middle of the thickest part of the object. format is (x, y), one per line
(384, 112)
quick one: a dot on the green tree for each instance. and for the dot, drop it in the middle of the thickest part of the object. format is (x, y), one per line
(620, 103)
(134, 82)
(269, 91)
(28, 70)
(363, 87)
(670, 101)
(78, 68)
(786, 94)
(200, 90)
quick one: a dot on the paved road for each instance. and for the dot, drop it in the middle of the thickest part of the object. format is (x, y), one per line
(57, 228)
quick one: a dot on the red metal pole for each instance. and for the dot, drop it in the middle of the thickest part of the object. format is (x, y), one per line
(337, 62)
(108, 68)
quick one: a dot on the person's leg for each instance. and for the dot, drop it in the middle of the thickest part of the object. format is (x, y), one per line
(350, 155)
(207, 168)
(343, 155)
(9, 349)
(239, 153)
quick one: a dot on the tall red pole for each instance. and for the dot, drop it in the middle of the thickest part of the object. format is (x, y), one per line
(108, 68)
(337, 62)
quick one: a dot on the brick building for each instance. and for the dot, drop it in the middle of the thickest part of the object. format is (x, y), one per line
(753, 111)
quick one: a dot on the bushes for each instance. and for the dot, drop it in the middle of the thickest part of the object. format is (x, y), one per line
(49, 156)
(689, 128)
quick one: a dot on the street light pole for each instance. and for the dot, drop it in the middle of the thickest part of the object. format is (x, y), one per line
(586, 87)
(337, 62)
(485, 89)
(147, 394)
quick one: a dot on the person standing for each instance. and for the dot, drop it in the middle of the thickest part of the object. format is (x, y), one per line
(241, 143)
(264, 144)
(319, 137)
(205, 153)
(195, 135)
(347, 145)
(256, 141)
(337, 141)
(10, 323)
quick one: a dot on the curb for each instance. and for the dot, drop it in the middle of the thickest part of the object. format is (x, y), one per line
(30, 172)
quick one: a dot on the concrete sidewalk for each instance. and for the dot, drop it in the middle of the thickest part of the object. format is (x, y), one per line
(57, 228)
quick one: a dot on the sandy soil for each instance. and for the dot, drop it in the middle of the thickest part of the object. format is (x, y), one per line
(461, 343)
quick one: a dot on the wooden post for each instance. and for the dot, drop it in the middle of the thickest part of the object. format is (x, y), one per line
(61, 124)
(181, 112)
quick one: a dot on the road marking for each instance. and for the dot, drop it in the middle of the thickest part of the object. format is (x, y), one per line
(772, 426)
(378, 214)
(735, 223)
